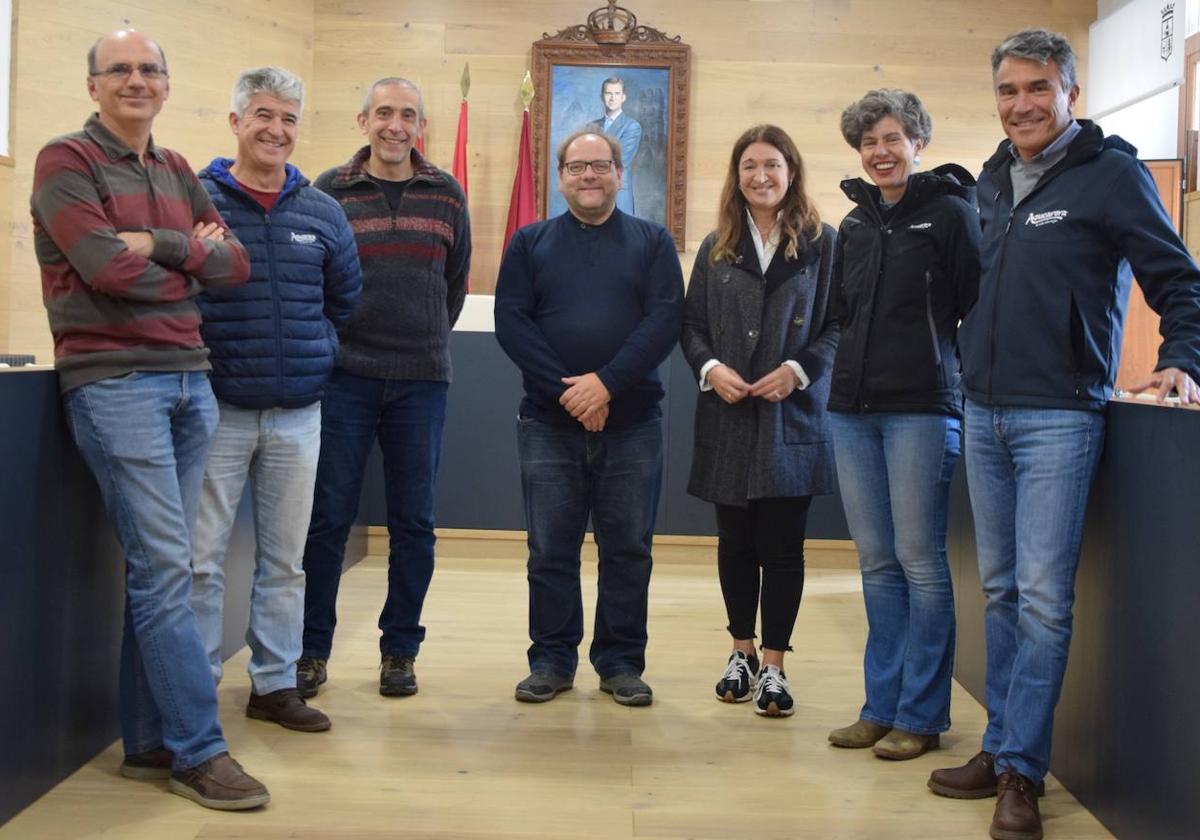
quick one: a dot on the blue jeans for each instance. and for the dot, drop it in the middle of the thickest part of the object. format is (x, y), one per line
(277, 448)
(1029, 472)
(615, 476)
(894, 472)
(144, 437)
(407, 417)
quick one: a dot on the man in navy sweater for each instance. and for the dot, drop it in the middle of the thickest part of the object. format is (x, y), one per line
(273, 346)
(588, 305)
(1069, 216)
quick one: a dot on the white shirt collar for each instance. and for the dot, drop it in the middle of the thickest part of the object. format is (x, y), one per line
(765, 250)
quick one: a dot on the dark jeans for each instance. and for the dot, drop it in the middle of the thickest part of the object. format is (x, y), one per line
(615, 475)
(407, 416)
(767, 534)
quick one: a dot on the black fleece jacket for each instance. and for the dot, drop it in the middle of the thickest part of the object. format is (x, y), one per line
(902, 281)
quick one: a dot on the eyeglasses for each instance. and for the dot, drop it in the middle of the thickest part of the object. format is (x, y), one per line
(577, 167)
(149, 72)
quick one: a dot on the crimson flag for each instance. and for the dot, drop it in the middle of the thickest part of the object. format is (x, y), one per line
(420, 145)
(522, 207)
(459, 168)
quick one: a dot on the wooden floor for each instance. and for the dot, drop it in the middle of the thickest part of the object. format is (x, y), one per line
(463, 760)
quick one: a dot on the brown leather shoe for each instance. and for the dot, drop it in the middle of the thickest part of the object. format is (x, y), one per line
(974, 780)
(858, 735)
(220, 783)
(899, 745)
(151, 764)
(287, 708)
(1016, 816)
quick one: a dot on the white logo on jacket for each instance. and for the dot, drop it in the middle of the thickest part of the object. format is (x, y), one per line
(921, 226)
(1050, 217)
(304, 238)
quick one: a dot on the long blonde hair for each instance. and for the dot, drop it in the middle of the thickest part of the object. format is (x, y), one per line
(799, 216)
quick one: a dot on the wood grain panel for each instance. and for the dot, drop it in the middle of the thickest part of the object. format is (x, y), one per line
(1140, 341)
(462, 760)
(793, 62)
(206, 45)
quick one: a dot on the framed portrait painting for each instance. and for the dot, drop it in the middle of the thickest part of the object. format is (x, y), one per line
(627, 81)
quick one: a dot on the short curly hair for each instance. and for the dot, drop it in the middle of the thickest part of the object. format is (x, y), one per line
(861, 116)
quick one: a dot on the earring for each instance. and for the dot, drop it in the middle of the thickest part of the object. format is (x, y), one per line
(916, 160)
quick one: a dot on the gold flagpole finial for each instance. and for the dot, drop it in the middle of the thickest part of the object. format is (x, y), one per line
(464, 84)
(527, 90)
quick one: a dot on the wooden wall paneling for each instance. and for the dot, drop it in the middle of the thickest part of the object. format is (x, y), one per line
(794, 62)
(6, 192)
(205, 44)
(1139, 344)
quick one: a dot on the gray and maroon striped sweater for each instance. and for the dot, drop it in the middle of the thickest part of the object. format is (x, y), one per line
(414, 266)
(112, 312)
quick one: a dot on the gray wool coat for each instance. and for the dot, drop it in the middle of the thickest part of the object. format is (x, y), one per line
(753, 322)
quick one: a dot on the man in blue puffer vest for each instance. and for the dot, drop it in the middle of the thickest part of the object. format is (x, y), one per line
(273, 343)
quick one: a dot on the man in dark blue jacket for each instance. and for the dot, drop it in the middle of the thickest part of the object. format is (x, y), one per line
(588, 305)
(273, 345)
(1069, 216)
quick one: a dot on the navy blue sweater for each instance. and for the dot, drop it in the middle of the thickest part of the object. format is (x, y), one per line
(273, 340)
(1046, 329)
(574, 298)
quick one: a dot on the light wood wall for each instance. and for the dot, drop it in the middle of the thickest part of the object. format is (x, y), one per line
(793, 62)
(206, 44)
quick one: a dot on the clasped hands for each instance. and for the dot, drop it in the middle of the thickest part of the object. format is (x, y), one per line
(774, 387)
(586, 399)
(141, 242)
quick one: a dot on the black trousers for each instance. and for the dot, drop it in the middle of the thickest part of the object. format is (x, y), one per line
(760, 555)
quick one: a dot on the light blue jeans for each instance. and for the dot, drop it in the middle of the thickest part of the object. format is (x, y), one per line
(144, 437)
(1029, 472)
(894, 473)
(277, 449)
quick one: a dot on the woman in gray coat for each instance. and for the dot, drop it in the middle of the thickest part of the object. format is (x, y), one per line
(757, 334)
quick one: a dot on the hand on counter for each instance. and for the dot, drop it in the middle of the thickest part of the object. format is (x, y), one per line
(1167, 380)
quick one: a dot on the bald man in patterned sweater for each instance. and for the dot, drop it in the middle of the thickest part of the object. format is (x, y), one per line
(126, 237)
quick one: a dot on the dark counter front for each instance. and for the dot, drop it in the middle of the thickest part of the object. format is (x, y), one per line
(479, 480)
(63, 596)
(1125, 733)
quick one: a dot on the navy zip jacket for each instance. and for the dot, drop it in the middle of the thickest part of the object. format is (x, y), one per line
(273, 341)
(1046, 329)
(901, 284)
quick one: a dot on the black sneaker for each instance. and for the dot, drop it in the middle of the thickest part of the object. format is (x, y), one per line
(396, 677)
(541, 686)
(310, 675)
(773, 697)
(627, 689)
(737, 683)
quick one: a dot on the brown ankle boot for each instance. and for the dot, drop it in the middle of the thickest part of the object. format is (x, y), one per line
(1017, 816)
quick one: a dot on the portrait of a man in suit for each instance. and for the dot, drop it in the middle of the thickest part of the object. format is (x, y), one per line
(628, 132)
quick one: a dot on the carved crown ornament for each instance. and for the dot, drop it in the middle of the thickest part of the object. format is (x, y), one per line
(611, 25)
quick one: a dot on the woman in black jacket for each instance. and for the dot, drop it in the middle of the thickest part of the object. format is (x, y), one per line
(757, 335)
(905, 274)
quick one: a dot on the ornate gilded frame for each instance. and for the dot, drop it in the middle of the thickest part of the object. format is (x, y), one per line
(612, 37)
